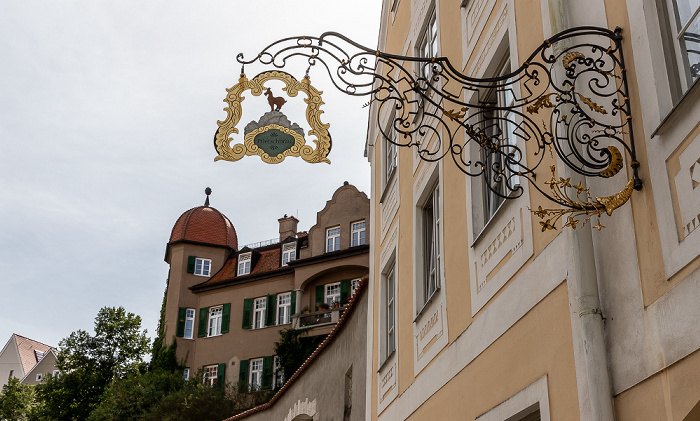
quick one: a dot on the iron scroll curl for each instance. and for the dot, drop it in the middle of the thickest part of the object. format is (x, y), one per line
(569, 98)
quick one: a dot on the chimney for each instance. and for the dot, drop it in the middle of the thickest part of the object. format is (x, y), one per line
(288, 226)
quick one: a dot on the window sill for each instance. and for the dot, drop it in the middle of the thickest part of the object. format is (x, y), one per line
(490, 222)
(213, 336)
(427, 304)
(692, 93)
(386, 361)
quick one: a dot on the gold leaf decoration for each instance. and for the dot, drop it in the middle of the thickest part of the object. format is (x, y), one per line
(581, 205)
(616, 163)
(542, 102)
(571, 56)
(592, 105)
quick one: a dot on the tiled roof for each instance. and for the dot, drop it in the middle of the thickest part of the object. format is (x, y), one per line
(205, 224)
(325, 344)
(269, 260)
(27, 356)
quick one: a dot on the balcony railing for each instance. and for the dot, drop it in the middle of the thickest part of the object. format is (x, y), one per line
(317, 318)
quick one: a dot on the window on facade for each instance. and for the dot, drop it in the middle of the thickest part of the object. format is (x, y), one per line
(389, 308)
(390, 155)
(427, 44)
(333, 239)
(355, 283)
(277, 373)
(210, 374)
(498, 124)
(186, 373)
(289, 253)
(332, 293)
(259, 306)
(256, 371)
(685, 28)
(244, 261)
(215, 314)
(202, 267)
(431, 244)
(358, 233)
(284, 305)
(56, 373)
(189, 323)
(39, 377)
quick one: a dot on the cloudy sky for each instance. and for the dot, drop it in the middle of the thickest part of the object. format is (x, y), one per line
(107, 115)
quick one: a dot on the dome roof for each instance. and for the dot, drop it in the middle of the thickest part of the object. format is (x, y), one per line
(207, 225)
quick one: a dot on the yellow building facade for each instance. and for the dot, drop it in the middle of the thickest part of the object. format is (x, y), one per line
(477, 311)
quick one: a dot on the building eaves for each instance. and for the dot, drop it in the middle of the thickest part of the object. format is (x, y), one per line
(330, 256)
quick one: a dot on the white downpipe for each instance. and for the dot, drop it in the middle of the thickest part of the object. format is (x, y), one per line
(590, 353)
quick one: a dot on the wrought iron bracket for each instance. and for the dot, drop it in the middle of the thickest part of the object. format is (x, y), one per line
(568, 102)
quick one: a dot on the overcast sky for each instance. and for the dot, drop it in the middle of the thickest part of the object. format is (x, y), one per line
(107, 116)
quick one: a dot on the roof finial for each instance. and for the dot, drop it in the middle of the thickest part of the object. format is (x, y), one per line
(207, 191)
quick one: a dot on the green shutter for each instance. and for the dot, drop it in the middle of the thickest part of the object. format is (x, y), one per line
(221, 376)
(190, 263)
(319, 295)
(181, 314)
(267, 373)
(225, 318)
(270, 310)
(202, 331)
(247, 310)
(243, 373)
(294, 303)
(344, 291)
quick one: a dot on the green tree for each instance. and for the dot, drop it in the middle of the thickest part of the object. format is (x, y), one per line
(293, 348)
(15, 400)
(90, 363)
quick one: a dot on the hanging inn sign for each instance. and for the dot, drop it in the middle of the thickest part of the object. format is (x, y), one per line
(563, 117)
(273, 137)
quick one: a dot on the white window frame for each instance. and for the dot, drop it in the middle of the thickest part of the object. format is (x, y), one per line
(389, 316)
(329, 297)
(256, 373)
(289, 253)
(333, 239)
(497, 121)
(431, 245)
(244, 263)
(277, 374)
(259, 312)
(189, 323)
(56, 373)
(359, 236)
(390, 155)
(214, 321)
(39, 376)
(678, 29)
(284, 307)
(354, 284)
(186, 373)
(427, 45)
(202, 267)
(211, 372)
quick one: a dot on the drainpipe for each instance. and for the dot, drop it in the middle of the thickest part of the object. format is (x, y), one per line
(590, 353)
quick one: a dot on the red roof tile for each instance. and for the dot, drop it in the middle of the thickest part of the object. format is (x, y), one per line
(269, 260)
(205, 224)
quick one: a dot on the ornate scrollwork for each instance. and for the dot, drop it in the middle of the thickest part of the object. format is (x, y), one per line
(576, 80)
(223, 136)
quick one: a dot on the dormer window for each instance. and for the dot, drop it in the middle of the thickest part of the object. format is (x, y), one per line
(244, 261)
(289, 253)
(202, 267)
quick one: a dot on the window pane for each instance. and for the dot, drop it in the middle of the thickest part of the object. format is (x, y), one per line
(686, 9)
(691, 48)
